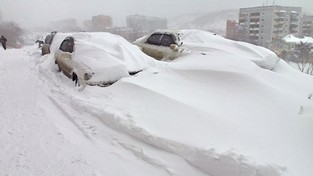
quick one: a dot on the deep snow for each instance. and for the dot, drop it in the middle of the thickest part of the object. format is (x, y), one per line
(219, 114)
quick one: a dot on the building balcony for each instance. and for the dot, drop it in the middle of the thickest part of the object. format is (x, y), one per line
(242, 21)
(253, 35)
(254, 23)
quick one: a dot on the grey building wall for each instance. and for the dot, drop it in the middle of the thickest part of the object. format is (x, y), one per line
(65, 25)
(145, 24)
(101, 22)
(307, 26)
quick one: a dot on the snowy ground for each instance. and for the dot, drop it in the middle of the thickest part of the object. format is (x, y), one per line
(213, 114)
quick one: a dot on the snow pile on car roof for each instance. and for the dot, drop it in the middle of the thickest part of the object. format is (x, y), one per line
(212, 44)
(111, 56)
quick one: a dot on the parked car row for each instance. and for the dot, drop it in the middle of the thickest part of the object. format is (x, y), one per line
(88, 58)
(102, 58)
(94, 58)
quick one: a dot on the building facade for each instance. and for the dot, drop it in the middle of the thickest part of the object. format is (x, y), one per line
(265, 24)
(101, 22)
(145, 24)
(65, 25)
(307, 26)
(231, 29)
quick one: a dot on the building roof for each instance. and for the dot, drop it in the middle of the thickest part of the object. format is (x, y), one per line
(292, 39)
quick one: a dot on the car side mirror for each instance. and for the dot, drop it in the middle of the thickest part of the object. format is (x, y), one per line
(174, 47)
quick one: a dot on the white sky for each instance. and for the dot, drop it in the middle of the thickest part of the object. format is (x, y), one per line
(40, 12)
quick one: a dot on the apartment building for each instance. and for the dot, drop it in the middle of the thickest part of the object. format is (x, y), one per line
(265, 24)
(231, 29)
(307, 26)
(65, 25)
(101, 22)
(141, 23)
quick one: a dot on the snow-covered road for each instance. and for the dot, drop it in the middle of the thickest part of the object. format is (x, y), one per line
(31, 141)
(44, 132)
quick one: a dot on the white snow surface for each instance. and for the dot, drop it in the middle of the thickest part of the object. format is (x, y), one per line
(197, 41)
(109, 56)
(218, 114)
(292, 39)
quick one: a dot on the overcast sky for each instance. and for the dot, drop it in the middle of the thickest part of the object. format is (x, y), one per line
(41, 12)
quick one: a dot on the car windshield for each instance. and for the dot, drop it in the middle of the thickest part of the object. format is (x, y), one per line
(167, 40)
(155, 39)
(67, 45)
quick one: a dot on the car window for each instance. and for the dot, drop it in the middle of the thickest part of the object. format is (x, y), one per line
(154, 39)
(48, 39)
(167, 40)
(67, 45)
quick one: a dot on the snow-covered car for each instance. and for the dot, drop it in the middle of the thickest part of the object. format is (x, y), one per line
(164, 45)
(161, 44)
(98, 58)
(45, 49)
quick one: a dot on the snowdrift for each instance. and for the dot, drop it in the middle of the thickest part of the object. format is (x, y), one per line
(109, 56)
(203, 42)
(236, 110)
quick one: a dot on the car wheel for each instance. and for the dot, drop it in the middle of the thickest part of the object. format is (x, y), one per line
(75, 79)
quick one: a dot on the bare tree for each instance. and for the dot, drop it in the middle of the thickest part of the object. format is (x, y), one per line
(13, 33)
(303, 57)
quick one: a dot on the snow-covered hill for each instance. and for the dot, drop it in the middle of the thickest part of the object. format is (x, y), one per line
(217, 114)
(214, 21)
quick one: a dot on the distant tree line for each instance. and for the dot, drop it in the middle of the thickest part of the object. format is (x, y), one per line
(13, 32)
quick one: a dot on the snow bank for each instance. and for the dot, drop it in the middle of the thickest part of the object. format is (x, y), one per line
(216, 114)
(109, 57)
(209, 43)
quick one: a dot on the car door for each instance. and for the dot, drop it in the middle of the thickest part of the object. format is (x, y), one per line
(64, 57)
(166, 41)
(152, 46)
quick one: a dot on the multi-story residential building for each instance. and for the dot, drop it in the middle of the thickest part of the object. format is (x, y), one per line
(65, 25)
(231, 29)
(141, 23)
(87, 25)
(265, 24)
(101, 22)
(307, 26)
